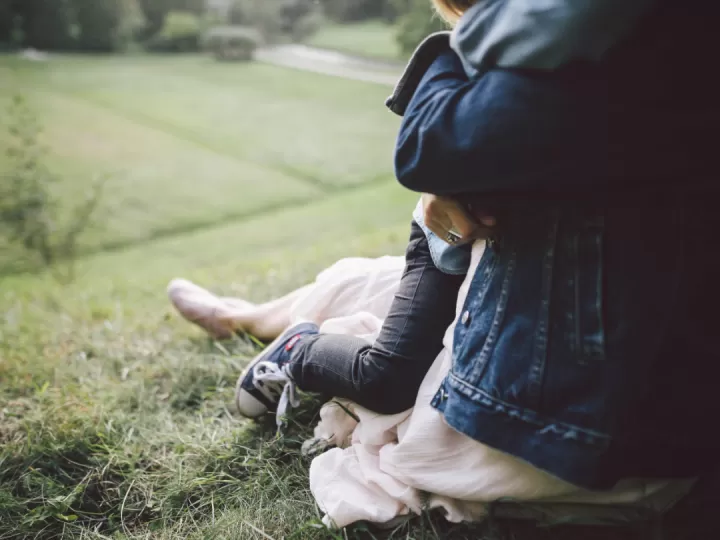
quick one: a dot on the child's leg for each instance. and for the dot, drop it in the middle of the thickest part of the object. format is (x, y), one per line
(222, 317)
(385, 377)
(265, 321)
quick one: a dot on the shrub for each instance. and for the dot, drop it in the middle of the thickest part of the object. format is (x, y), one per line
(181, 32)
(233, 43)
(98, 23)
(416, 22)
(357, 10)
(306, 26)
(32, 231)
(156, 12)
(132, 21)
(45, 24)
(7, 17)
(264, 16)
(297, 19)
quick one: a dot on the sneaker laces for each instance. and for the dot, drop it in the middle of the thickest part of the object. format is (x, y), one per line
(276, 384)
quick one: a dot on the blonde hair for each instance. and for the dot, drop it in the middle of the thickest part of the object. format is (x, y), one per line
(452, 10)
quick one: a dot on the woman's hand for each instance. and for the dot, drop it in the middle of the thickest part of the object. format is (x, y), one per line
(448, 219)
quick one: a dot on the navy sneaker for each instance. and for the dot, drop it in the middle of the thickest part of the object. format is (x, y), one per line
(266, 384)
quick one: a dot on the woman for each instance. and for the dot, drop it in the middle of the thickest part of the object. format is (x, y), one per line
(565, 356)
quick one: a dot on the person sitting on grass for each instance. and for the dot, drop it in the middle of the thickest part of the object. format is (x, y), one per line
(553, 122)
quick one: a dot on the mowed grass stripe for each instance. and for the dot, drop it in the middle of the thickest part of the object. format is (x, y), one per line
(168, 179)
(158, 184)
(148, 120)
(302, 230)
(65, 164)
(328, 129)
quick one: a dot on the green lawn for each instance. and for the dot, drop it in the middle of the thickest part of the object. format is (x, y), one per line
(115, 415)
(189, 142)
(114, 410)
(371, 39)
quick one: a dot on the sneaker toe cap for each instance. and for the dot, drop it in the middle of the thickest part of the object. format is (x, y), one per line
(248, 405)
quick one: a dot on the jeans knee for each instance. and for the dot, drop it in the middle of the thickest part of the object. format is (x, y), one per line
(385, 394)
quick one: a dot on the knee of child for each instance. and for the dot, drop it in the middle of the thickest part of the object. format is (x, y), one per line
(385, 394)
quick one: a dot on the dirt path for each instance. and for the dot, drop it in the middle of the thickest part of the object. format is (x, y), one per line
(332, 63)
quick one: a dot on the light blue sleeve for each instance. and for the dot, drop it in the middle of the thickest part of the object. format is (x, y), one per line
(454, 260)
(541, 34)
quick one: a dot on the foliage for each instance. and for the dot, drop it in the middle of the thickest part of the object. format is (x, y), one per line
(30, 219)
(45, 24)
(359, 10)
(235, 43)
(306, 26)
(98, 24)
(275, 18)
(6, 22)
(90, 25)
(417, 21)
(176, 25)
(156, 12)
(181, 32)
(132, 22)
(264, 16)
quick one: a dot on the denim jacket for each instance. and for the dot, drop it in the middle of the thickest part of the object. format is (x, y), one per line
(503, 33)
(585, 346)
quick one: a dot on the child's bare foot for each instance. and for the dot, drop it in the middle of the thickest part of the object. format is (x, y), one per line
(219, 317)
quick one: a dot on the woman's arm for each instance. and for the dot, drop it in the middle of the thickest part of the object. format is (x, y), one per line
(510, 131)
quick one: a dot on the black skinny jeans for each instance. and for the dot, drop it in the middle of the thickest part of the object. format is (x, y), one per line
(385, 376)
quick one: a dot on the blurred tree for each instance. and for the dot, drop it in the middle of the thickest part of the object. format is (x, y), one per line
(357, 10)
(295, 18)
(45, 24)
(233, 43)
(34, 229)
(7, 15)
(156, 11)
(416, 21)
(180, 32)
(264, 16)
(98, 23)
(106, 25)
(132, 22)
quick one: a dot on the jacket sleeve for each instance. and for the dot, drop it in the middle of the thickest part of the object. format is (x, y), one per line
(509, 131)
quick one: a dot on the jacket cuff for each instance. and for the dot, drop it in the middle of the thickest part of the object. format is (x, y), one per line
(423, 57)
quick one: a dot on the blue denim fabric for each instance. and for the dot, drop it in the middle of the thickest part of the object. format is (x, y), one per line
(586, 346)
(533, 327)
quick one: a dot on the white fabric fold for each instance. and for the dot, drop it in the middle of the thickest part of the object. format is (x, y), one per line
(385, 467)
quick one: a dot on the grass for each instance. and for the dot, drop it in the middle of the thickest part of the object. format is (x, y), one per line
(115, 413)
(370, 39)
(115, 416)
(190, 143)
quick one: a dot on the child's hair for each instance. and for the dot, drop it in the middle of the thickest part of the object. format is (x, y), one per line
(452, 10)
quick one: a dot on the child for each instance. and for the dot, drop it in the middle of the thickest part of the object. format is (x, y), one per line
(384, 376)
